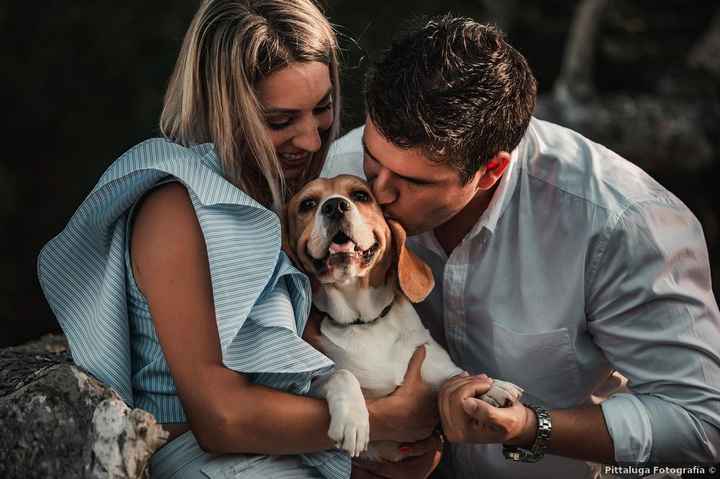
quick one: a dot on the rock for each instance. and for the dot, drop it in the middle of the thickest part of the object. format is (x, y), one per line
(58, 421)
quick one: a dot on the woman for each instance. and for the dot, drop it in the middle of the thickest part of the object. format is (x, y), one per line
(169, 281)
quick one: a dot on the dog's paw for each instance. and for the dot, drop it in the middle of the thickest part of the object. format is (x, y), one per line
(502, 394)
(350, 428)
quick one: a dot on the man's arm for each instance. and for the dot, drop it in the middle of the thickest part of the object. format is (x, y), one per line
(467, 419)
(581, 433)
(651, 310)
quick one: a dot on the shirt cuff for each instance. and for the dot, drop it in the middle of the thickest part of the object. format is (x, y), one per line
(629, 426)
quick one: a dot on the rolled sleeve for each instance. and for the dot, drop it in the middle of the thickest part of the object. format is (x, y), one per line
(652, 311)
(629, 425)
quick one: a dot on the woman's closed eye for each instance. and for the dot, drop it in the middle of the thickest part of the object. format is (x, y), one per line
(280, 122)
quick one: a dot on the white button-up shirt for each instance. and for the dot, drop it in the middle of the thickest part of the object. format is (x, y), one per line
(581, 265)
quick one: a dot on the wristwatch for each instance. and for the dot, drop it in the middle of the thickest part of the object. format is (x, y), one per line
(542, 438)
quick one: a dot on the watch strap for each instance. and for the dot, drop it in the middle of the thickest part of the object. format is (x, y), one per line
(542, 438)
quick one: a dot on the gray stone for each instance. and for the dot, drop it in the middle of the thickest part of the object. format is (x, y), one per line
(58, 421)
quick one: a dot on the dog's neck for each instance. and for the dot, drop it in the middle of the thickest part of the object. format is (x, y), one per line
(354, 301)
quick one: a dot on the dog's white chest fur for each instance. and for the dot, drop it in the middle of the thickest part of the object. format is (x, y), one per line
(346, 304)
(377, 353)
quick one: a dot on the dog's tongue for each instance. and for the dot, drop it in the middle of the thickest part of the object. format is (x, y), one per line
(348, 247)
(341, 243)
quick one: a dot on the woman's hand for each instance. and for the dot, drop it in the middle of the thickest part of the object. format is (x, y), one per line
(409, 414)
(426, 455)
(465, 418)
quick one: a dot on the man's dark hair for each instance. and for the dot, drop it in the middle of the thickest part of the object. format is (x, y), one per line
(455, 89)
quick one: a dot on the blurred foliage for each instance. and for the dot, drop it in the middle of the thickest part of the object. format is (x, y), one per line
(83, 81)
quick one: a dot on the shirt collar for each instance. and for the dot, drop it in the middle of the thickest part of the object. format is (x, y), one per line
(500, 198)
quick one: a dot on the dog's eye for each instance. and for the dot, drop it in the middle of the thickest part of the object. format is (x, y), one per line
(360, 195)
(307, 204)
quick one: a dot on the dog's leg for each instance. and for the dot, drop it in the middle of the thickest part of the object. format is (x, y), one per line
(438, 368)
(349, 418)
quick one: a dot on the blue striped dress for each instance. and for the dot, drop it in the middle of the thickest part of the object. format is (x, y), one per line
(261, 301)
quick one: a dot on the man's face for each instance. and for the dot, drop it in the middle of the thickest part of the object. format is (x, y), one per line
(410, 188)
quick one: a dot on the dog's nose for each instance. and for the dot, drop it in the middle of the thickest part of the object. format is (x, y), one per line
(334, 208)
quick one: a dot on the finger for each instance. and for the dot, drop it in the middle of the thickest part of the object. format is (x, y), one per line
(413, 372)
(454, 380)
(451, 417)
(432, 443)
(472, 407)
(490, 423)
(446, 395)
(468, 387)
(476, 387)
(451, 386)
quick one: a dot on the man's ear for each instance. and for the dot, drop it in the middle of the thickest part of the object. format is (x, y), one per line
(415, 277)
(493, 170)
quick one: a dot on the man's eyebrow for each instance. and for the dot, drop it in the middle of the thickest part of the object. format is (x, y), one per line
(275, 111)
(410, 178)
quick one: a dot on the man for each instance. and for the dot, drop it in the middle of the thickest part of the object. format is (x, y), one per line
(556, 263)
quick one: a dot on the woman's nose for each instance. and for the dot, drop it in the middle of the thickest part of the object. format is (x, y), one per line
(308, 138)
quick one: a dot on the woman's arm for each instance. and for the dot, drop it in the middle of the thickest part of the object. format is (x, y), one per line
(226, 412)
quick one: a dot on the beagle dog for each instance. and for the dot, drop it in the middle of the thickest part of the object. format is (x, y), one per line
(368, 279)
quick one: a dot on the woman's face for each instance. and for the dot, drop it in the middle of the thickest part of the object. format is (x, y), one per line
(298, 106)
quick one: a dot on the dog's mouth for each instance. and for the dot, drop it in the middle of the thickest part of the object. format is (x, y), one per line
(343, 251)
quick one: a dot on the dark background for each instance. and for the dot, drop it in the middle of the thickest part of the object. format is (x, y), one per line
(83, 81)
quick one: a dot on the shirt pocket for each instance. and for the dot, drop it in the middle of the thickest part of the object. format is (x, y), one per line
(544, 364)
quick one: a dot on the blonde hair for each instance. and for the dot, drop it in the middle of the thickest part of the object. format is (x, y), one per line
(229, 47)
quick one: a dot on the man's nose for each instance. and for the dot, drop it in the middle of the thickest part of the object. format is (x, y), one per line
(334, 208)
(383, 188)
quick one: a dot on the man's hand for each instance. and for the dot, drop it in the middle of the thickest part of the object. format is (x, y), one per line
(468, 419)
(409, 414)
(426, 456)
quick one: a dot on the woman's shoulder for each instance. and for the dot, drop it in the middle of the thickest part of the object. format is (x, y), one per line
(197, 167)
(165, 233)
(165, 201)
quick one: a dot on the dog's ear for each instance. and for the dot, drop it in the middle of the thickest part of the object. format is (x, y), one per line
(288, 243)
(380, 272)
(414, 275)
